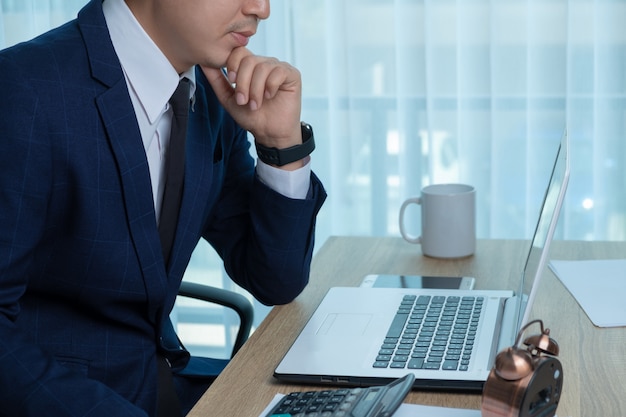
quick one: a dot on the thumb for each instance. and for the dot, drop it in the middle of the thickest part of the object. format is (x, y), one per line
(221, 86)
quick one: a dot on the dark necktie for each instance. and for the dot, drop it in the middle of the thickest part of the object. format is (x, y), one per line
(174, 168)
(167, 401)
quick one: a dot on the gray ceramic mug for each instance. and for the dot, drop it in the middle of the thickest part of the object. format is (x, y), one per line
(448, 218)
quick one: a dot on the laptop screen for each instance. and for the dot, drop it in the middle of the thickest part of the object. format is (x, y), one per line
(538, 255)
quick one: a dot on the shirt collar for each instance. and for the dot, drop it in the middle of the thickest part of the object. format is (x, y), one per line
(147, 70)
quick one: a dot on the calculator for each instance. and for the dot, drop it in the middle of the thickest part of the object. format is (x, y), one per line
(376, 401)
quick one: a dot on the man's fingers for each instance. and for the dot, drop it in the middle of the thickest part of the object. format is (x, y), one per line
(259, 78)
(265, 80)
(279, 78)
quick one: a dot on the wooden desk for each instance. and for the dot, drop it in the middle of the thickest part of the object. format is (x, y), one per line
(594, 360)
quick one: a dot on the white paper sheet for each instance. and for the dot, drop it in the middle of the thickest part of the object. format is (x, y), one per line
(599, 286)
(407, 410)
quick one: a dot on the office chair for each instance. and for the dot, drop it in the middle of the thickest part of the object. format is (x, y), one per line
(237, 302)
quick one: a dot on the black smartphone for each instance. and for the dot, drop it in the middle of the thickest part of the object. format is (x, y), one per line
(418, 281)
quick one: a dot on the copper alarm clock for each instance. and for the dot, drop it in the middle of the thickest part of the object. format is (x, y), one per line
(525, 381)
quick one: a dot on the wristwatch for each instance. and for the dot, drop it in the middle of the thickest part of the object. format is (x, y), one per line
(280, 157)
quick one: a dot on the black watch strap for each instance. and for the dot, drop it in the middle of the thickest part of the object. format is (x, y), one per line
(280, 157)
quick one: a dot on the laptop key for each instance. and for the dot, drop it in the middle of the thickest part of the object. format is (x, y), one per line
(416, 363)
(397, 325)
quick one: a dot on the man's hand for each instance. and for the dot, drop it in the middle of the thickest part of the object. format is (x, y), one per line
(266, 99)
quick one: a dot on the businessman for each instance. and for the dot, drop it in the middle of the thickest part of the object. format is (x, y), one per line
(90, 146)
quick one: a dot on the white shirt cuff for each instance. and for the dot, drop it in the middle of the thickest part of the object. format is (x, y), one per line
(293, 184)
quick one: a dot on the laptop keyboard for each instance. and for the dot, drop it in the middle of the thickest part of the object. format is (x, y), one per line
(431, 332)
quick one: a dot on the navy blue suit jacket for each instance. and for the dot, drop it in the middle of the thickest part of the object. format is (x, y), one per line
(84, 290)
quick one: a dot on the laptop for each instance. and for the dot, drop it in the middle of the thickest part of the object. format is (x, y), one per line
(448, 339)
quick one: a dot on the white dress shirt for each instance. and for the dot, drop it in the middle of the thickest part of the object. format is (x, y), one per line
(150, 91)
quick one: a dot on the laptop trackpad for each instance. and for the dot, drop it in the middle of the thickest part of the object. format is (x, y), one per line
(345, 324)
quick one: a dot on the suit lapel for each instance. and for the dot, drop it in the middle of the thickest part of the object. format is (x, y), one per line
(122, 131)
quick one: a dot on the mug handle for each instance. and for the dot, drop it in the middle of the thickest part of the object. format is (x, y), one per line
(403, 232)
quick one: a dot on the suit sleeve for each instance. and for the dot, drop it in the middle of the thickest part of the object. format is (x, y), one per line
(265, 239)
